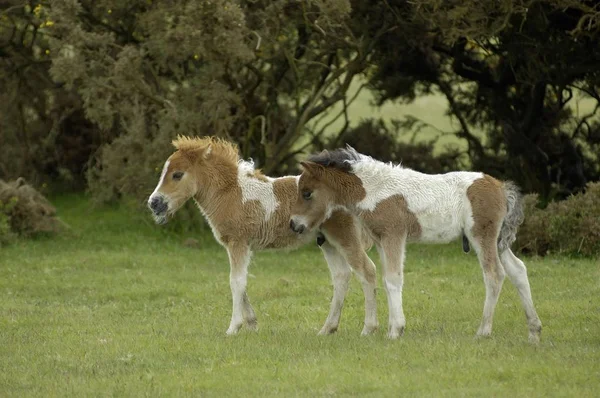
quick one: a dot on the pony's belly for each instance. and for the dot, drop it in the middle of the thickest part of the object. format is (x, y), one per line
(439, 228)
(285, 241)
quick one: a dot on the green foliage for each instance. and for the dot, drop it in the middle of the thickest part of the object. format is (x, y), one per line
(43, 130)
(123, 309)
(569, 226)
(93, 91)
(256, 72)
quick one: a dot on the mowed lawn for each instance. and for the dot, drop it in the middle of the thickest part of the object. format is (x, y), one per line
(120, 307)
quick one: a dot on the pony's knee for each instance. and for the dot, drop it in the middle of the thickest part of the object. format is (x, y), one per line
(393, 283)
(342, 274)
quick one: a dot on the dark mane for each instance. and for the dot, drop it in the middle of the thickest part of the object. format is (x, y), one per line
(340, 158)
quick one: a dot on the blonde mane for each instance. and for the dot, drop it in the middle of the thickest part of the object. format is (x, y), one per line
(218, 146)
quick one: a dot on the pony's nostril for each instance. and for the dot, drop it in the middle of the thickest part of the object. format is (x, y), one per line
(296, 228)
(154, 203)
(158, 205)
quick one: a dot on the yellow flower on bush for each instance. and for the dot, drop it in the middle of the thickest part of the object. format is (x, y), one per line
(37, 10)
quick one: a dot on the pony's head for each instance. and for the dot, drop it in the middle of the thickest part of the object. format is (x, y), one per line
(188, 171)
(326, 184)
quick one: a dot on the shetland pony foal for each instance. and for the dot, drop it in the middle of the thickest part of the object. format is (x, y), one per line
(249, 211)
(397, 204)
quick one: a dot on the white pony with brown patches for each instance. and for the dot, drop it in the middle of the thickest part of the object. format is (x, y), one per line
(248, 211)
(397, 205)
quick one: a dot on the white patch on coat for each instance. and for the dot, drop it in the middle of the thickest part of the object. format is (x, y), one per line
(439, 201)
(160, 182)
(255, 189)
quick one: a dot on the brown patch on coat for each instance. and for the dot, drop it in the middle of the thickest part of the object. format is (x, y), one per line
(488, 204)
(391, 217)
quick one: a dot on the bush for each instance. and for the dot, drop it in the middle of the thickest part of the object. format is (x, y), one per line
(25, 212)
(6, 234)
(569, 226)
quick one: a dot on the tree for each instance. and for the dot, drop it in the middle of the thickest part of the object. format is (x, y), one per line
(510, 70)
(111, 83)
(43, 131)
(253, 71)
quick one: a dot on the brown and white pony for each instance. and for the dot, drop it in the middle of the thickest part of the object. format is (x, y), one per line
(397, 205)
(248, 211)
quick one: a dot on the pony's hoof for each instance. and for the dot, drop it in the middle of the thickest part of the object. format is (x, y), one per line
(483, 332)
(233, 329)
(252, 325)
(368, 330)
(327, 330)
(482, 335)
(534, 338)
(394, 333)
(535, 332)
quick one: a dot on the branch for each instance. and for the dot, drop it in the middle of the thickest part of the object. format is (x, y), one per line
(93, 20)
(472, 141)
(584, 121)
(591, 92)
(342, 112)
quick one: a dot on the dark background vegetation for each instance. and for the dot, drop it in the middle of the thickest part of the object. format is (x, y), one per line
(92, 92)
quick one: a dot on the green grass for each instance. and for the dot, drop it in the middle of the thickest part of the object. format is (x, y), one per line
(119, 307)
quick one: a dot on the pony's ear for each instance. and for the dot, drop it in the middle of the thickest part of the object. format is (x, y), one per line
(194, 154)
(207, 151)
(312, 168)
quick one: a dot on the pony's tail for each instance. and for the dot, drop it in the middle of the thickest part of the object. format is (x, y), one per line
(514, 217)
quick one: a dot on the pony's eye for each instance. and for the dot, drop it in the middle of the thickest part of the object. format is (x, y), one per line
(306, 195)
(177, 175)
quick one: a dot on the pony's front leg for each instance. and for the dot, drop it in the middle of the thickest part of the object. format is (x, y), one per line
(391, 251)
(239, 259)
(340, 276)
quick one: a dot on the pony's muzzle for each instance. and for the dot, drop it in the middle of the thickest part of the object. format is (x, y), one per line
(297, 228)
(158, 205)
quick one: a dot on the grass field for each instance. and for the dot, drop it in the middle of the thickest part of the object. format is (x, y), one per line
(119, 307)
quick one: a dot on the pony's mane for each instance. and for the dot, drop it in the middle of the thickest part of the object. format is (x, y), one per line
(218, 146)
(340, 158)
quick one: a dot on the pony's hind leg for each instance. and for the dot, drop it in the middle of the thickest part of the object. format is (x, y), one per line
(391, 252)
(517, 272)
(340, 276)
(248, 313)
(239, 259)
(493, 277)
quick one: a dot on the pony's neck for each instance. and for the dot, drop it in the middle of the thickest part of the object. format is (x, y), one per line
(347, 187)
(369, 169)
(218, 182)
